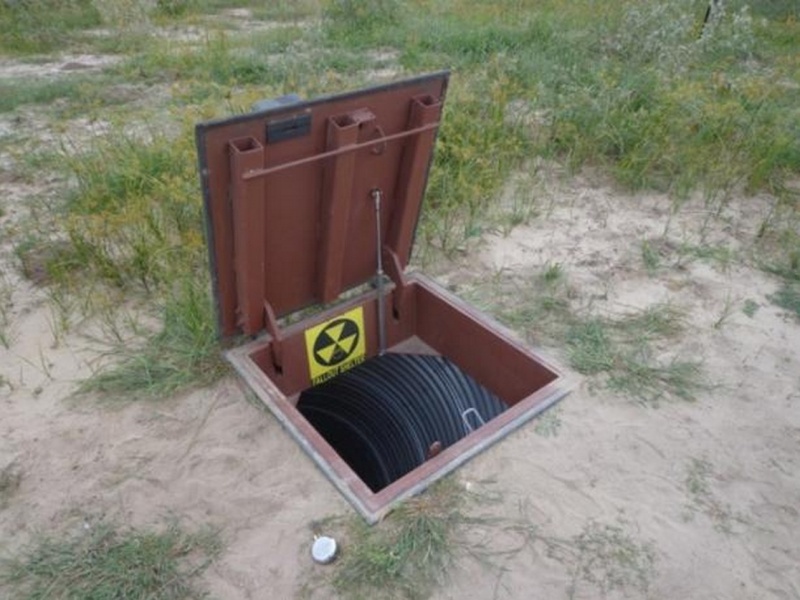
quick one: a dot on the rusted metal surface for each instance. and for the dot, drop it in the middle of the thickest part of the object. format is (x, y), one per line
(524, 380)
(289, 217)
(291, 221)
(374, 145)
(444, 323)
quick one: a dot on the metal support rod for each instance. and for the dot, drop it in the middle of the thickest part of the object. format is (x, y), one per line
(252, 174)
(377, 196)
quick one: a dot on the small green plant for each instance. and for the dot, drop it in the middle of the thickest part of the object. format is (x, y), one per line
(107, 562)
(10, 480)
(785, 258)
(651, 258)
(699, 473)
(640, 377)
(173, 8)
(622, 350)
(408, 553)
(659, 321)
(727, 311)
(40, 257)
(788, 298)
(552, 274)
(6, 294)
(609, 558)
(549, 423)
(546, 312)
(518, 203)
(719, 254)
(591, 349)
(750, 307)
(286, 10)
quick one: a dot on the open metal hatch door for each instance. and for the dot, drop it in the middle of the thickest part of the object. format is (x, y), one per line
(287, 195)
(307, 200)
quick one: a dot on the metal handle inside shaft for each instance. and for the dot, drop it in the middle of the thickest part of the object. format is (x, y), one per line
(376, 195)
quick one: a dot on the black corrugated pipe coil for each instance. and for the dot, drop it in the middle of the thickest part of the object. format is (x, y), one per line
(388, 415)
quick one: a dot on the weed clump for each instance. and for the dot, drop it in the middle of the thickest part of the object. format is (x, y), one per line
(10, 480)
(785, 264)
(43, 25)
(174, 8)
(699, 473)
(609, 558)
(622, 351)
(184, 353)
(360, 21)
(476, 151)
(133, 228)
(106, 562)
(407, 554)
(788, 298)
(134, 217)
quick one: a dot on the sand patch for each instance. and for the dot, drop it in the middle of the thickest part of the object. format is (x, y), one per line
(65, 64)
(726, 530)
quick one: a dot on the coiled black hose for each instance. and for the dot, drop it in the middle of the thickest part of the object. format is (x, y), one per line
(384, 416)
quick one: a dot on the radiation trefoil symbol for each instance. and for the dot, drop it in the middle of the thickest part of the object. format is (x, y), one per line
(336, 345)
(336, 342)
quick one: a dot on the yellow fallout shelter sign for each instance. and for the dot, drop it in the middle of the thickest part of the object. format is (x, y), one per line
(336, 345)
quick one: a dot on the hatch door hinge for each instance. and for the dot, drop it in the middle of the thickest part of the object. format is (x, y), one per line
(274, 331)
(395, 272)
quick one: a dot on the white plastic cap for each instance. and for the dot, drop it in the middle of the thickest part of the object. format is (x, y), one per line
(324, 549)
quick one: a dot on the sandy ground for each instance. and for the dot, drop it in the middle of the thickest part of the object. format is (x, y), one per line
(213, 457)
(710, 489)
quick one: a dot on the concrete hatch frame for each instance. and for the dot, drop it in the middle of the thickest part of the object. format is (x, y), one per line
(290, 203)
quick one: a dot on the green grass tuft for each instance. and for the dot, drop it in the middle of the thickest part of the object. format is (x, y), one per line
(788, 298)
(750, 307)
(23, 92)
(476, 152)
(591, 349)
(620, 351)
(35, 26)
(10, 480)
(173, 8)
(107, 563)
(360, 22)
(135, 217)
(786, 264)
(184, 354)
(651, 258)
(638, 376)
(6, 304)
(623, 351)
(698, 484)
(609, 559)
(408, 553)
(659, 321)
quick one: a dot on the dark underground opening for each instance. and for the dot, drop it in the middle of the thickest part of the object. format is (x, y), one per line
(388, 415)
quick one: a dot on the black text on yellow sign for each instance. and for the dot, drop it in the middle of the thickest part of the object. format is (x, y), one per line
(336, 345)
